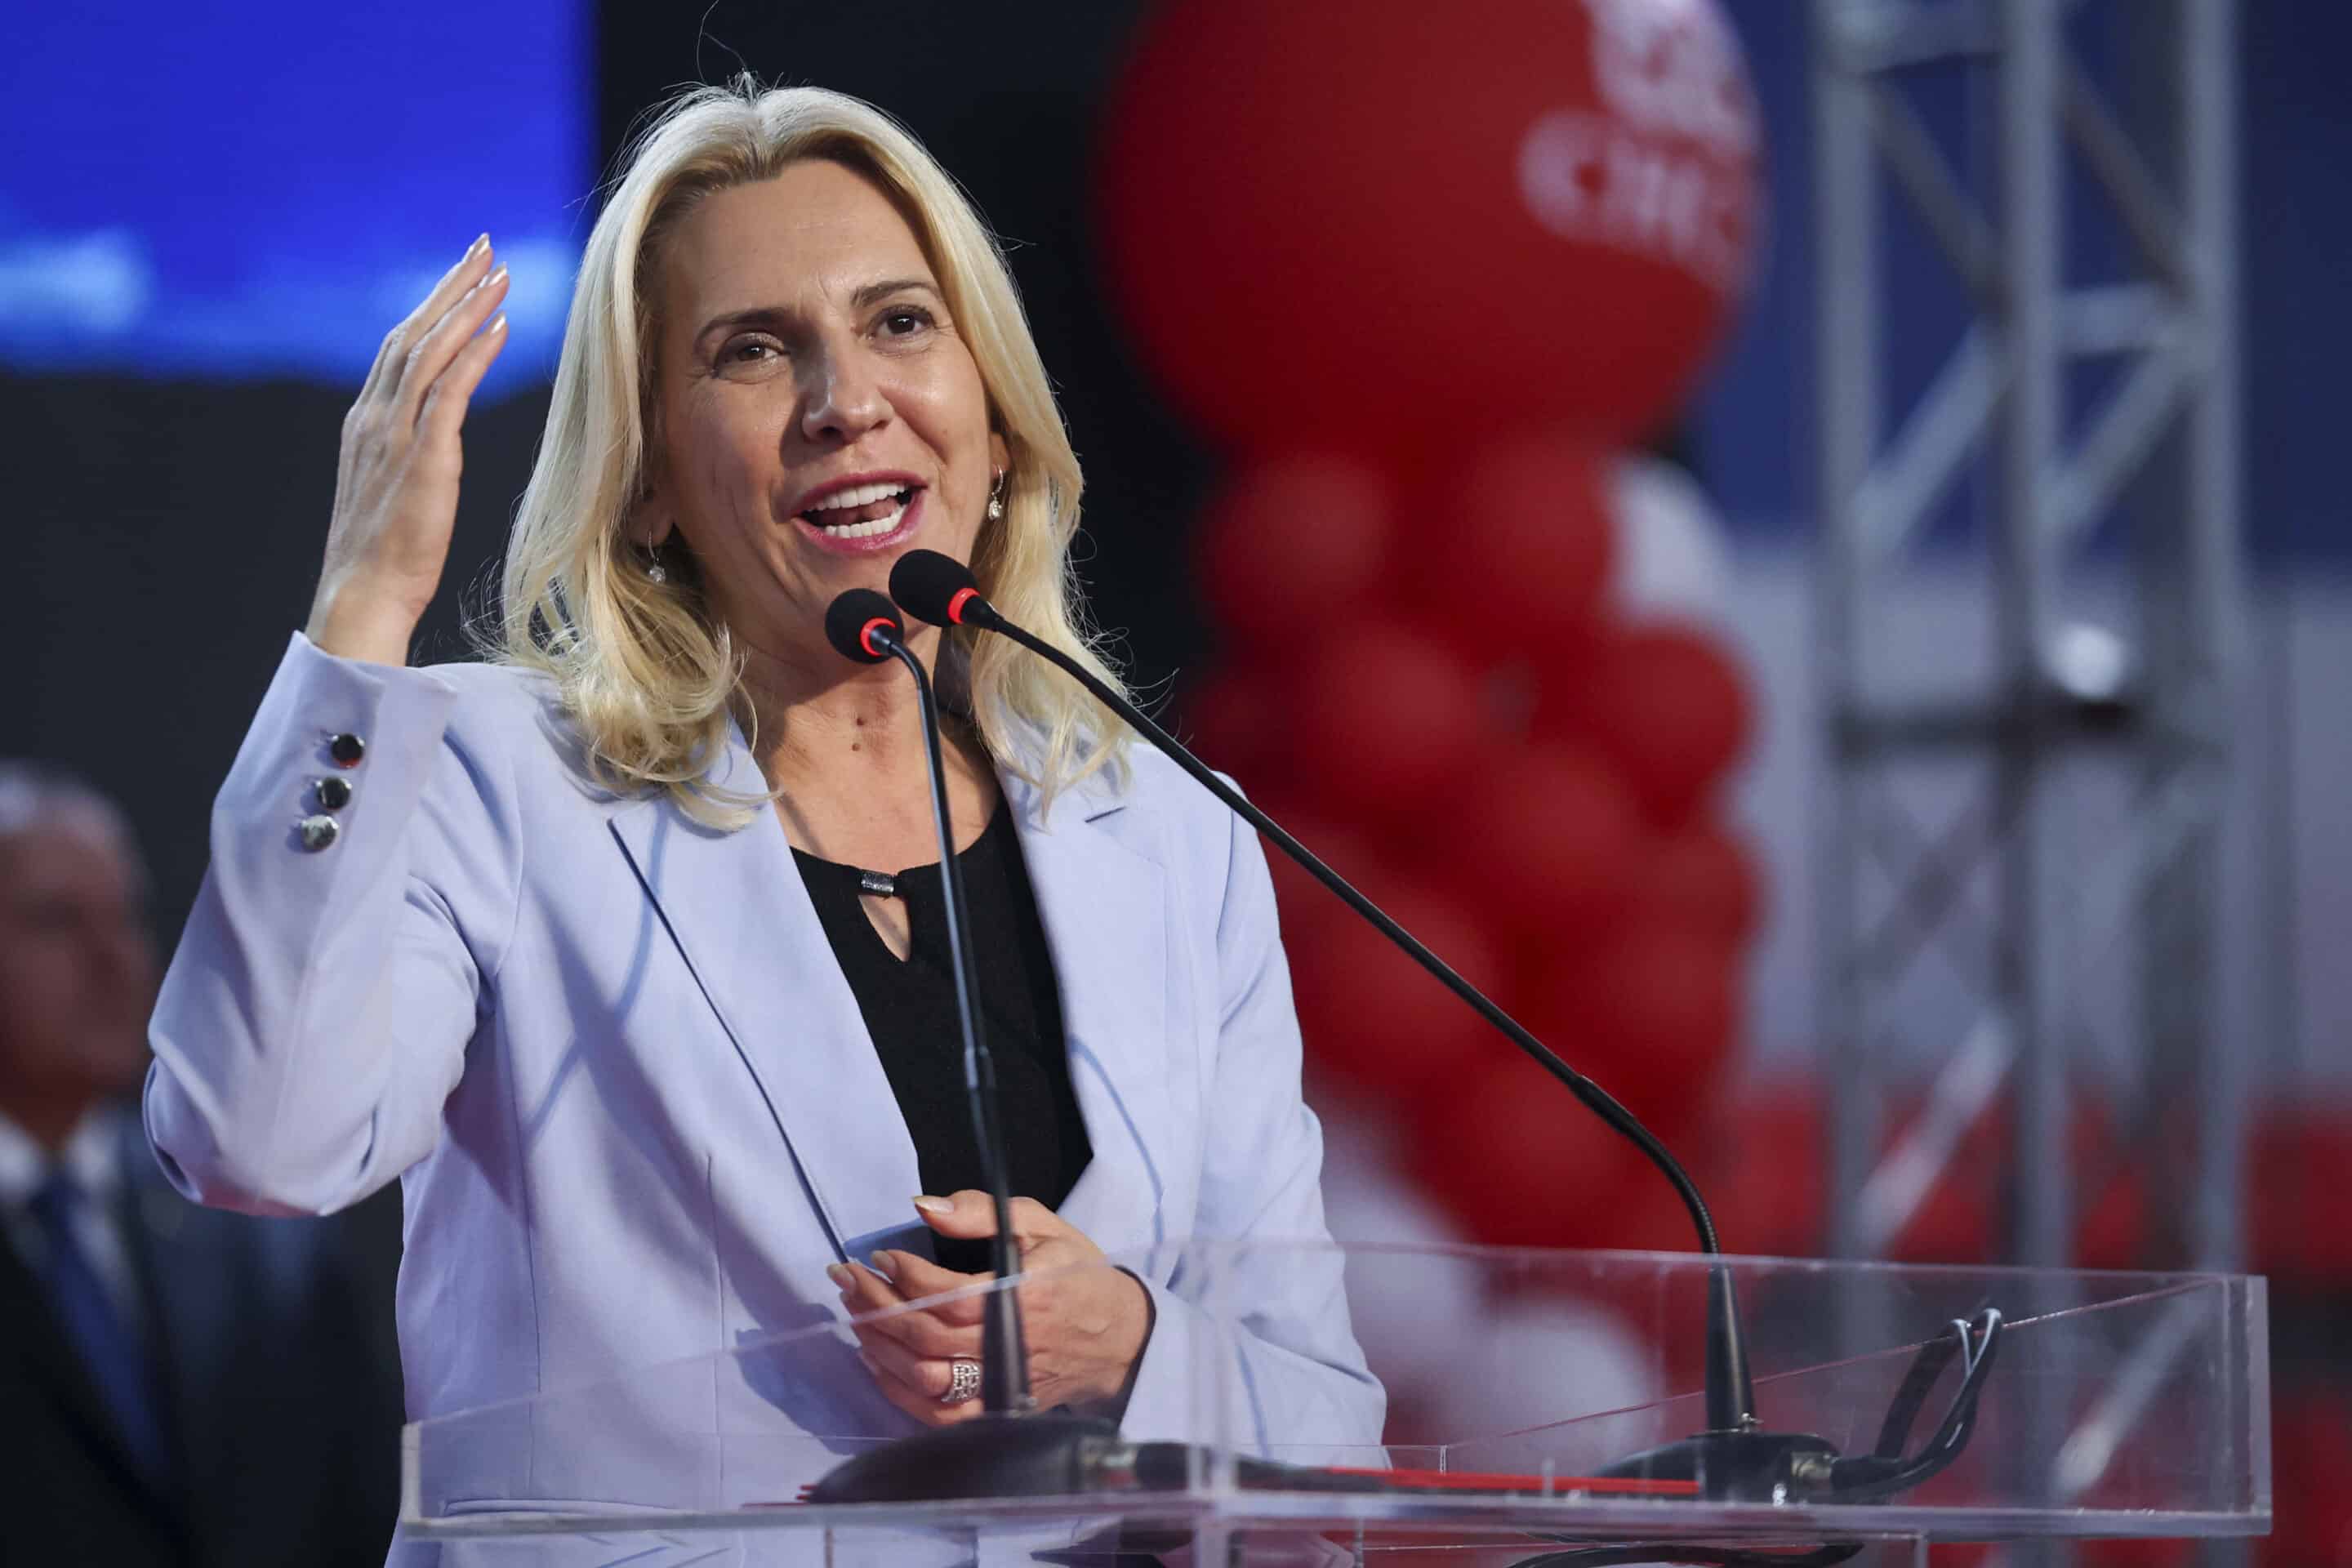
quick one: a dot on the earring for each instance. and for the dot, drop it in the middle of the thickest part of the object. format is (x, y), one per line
(654, 571)
(996, 499)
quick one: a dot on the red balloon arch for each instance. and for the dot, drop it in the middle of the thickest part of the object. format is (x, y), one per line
(1422, 271)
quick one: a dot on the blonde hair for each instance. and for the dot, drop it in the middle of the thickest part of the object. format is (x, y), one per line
(645, 671)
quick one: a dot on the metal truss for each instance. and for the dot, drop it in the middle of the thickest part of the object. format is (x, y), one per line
(2086, 418)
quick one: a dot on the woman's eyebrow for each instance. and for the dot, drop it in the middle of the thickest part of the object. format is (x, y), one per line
(871, 292)
(775, 315)
(756, 316)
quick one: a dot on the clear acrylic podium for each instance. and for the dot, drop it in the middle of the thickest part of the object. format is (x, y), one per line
(1516, 1386)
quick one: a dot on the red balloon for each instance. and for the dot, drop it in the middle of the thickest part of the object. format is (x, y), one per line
(2311, 1476)
(1292, 542)
(2177, 1551)
(2303, 1166)
(1661, 1014)
(1642, 1214)
(1371, 1013)
(1954, 1222)
(1665, 704)
(1547, 837)
(1297, 893)
(1648, 1013)
(2113, 1228)
(1514, 543)
(1761, 1160)
(1233, 719)
(1960, 1554)
(1519, 1162)
(1345, 220)
(1386, 718)
(1703, 878)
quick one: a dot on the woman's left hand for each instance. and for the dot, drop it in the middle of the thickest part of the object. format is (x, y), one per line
(1085, 1328)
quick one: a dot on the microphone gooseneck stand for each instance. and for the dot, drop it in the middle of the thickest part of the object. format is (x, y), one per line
(1011, 1449)
(1734, 1459)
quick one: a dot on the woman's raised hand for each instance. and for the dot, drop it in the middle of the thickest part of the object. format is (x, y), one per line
(396, 484)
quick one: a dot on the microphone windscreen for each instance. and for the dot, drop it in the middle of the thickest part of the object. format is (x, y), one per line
(851, 618)
(926, 584)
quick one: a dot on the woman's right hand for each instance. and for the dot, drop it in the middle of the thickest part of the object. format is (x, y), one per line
(396, 484)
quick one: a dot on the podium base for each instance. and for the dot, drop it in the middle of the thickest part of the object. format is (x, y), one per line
(991, 1455)
(1738, 1466)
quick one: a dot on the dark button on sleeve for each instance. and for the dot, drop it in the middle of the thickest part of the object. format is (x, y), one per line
(347, 750)
(334, 794)
(318, 831)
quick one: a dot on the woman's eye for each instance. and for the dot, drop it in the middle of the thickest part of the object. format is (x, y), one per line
(904, 321)
(747, 350)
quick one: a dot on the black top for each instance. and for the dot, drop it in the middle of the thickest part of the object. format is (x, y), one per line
(910, 1009)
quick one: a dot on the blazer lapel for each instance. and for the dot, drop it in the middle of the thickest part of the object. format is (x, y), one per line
(1103, 902)
(736, 907)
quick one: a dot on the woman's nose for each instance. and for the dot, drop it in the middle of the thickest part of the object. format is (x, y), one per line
(842, 399)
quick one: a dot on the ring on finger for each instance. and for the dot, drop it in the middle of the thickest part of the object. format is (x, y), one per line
(963, 1380)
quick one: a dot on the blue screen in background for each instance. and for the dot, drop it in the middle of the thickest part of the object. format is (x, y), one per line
(261, 189)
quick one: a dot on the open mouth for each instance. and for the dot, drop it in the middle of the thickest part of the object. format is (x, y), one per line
(864, 511)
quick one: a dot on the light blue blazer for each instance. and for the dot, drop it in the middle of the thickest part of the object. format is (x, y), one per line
(631, 1097)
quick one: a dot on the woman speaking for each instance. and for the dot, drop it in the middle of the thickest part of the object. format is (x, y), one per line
(624, 950)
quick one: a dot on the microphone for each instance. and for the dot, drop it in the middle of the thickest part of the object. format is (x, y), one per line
(1734, 1457)
(1010, 1449)
(864, 628)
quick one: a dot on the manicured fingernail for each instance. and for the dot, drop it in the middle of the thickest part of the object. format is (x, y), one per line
(840, 1275)
(497, 323)
(935, 1205)
(497, 276)
(481, 244)
(880, 1264)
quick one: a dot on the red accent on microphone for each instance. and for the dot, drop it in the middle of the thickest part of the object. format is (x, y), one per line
(955, 606)
(1477, 1481)
(865, 636)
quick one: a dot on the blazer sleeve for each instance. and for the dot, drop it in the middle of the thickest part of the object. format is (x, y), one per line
(1252, 1342)
(317, 1012)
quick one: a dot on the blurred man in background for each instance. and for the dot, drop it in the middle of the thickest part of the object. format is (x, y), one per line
(179, 1385)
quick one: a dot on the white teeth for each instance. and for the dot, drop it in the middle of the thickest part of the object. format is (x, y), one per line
(863, 530)
(857, 495)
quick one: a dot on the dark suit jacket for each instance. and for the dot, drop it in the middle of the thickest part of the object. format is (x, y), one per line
(281, 1388)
